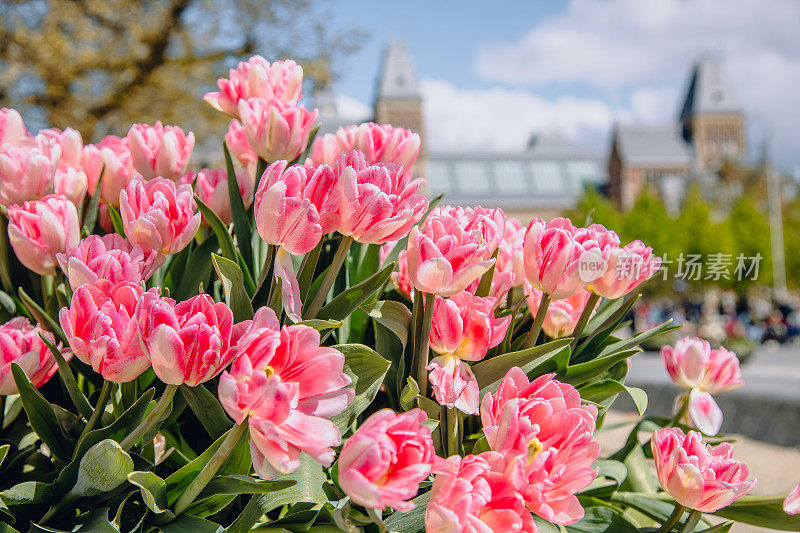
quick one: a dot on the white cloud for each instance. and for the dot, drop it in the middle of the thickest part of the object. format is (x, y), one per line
(636, 53)
(500, 119)
(352, 109)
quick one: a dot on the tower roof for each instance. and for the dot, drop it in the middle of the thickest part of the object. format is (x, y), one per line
(709, 90)
(397, 77)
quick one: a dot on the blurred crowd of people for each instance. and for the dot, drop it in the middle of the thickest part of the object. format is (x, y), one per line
(724, 316)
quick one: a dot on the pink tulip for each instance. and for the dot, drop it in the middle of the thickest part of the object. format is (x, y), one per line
(502, 283)
(12, 128)
(401, 277)
(26, 173)
(464, 329)
(293, 210)
(376, 203)
(92, 166)
(510, 255)
(562, 315)
(118, 169)
(40, 229)
(380, 143)
(454, 248)
(292, 206)
(464, 326)
(628, 268)
(188, 342)
(256, 78)
(289, 386)
(555, 262)
(71, 183)
(386, 459)
(276, 130)
(544, 422)
(701, 477)
(478, 494)
(158, 215)
(791, 505)
(110, 257)
(20, 343)
(703, 412)
(693, 364)
(236, 140)
(103, 331)
(69, 142)
(160, 151)
(211, 186)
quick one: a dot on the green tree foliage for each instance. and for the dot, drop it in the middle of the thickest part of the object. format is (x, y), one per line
(749, 228)
(699, 229)
(791, 240)
(100, 65)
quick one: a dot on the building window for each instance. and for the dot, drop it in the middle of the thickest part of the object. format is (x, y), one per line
(472, 177)
(548, 178)
(510, 176)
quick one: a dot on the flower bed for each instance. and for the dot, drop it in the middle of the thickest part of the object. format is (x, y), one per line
(302, 341)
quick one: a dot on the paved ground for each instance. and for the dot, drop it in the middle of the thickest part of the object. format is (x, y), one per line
(772, 377)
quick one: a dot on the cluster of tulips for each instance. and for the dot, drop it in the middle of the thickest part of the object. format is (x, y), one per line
(295, 299)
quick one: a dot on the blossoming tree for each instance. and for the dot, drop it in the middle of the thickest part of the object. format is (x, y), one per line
(302, 341)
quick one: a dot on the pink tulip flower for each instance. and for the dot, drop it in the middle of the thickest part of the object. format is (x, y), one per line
(562, 315)
(40, 229)
(293, 210)
(628, 267)
(115, 153)
(276, 130)
(791, 505)
(110, 257)
(211, 186)
(158, 215)
(510, 255)
(703, 411)
(256, 78)
(160, 151)
(12, 128)
(691, 363)
(289, 386)
(479, 494)
(464, 329)
(555, 262)
(70, 145)
(701, 477)
(188, 342)
(380, 143)
(376, 203)
(236, 140)
(544, 422)
(26, 173)
(386, 459)
(71, 183)
(454, 248)
(20, 343)
(102, 328)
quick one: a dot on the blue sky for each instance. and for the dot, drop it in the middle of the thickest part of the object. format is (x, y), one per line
(494, 73)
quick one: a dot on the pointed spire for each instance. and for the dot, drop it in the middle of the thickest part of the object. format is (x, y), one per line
(709, 90)
(397, 78)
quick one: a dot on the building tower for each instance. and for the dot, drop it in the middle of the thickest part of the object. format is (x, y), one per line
(711, 117)
(398, 100)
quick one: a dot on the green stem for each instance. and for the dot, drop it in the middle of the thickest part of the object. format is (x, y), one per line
(97, 414)
(2, 415)
(152, 419)
(584, 319)
(510, 331)
(416, 324)
(673, 519)
(680, 413)
(330, 276)
(424, 343)
(453, 444)
(211, 468)
(691, 522)
(538, 320)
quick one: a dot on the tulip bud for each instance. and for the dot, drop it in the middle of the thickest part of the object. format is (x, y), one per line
(104, 467)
